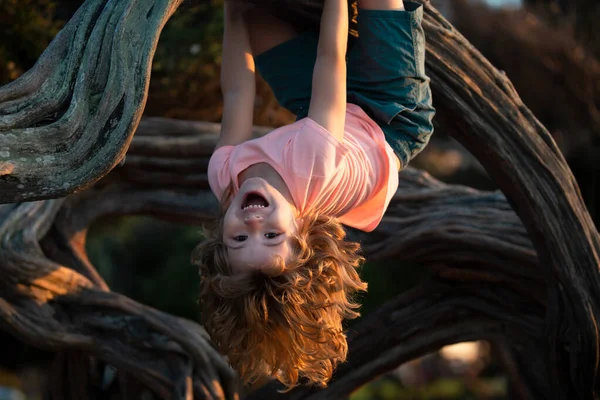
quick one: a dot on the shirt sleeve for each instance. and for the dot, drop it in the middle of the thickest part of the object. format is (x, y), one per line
(219, 176)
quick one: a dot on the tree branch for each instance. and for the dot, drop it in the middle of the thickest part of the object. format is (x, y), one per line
(81, 101)
(420, 202)
(54, 307)
(424, 213)
(487, 282)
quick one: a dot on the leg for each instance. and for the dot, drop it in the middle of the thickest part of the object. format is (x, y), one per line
(284, 58)
(386, 74)
(381, 4)
(267, 31)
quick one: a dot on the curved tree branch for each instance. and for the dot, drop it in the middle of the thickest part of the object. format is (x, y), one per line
(488, 280)
(483, 112)
(82, 101)
(417, 323)
(421, 201)
(424, 212)
(524, 161)
(55, 307)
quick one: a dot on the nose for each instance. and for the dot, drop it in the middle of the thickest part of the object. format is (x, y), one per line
(253, 219)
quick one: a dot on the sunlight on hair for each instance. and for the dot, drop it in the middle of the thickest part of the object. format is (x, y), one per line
(284, 323)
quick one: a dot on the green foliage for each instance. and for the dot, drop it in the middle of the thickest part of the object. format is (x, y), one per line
(390, 388)
(26, 29)
(149, 261)
(387, 279)
(191, 38)
(186, 67)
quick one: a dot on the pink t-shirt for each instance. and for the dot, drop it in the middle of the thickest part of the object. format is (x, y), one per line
(353, 180)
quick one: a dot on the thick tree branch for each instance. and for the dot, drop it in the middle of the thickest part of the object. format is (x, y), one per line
(487, 282)
(522, 158)
(424, 212)
(81, 101)
(491, 121)
(54, 307)
(414, 324)
(421, 201)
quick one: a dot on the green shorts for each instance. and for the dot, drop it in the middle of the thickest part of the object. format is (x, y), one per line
(386, 75)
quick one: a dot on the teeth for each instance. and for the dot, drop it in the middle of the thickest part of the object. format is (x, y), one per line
(253, 206)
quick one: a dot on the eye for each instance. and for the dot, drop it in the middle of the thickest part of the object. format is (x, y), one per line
(240, 238)
(272, 235)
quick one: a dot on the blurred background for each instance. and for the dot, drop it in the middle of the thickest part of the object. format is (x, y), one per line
(548, 48)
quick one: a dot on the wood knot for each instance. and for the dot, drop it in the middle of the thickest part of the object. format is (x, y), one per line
(6, 168)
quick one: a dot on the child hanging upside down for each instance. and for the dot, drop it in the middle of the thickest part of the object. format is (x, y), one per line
(277, 275)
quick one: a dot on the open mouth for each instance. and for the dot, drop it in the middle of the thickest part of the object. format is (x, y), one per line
(254, 200)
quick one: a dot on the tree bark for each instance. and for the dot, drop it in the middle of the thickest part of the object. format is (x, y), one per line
(538, 289)
(56, 307)
(491, 121)
(471, 239)
(554, 75)
(82, 100)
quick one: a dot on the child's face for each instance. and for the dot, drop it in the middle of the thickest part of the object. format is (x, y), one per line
(258, 225)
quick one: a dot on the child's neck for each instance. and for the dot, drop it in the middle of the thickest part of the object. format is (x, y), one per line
(269, 174)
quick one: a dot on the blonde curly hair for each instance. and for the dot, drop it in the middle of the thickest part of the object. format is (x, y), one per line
(284, 322)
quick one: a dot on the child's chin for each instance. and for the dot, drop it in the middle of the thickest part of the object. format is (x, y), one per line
(254, 182)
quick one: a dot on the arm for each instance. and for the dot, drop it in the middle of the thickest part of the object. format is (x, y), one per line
(237, 79)
(328, 100)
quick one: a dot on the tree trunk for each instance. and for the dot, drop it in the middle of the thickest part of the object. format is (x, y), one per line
(533, 284)
(554, 76)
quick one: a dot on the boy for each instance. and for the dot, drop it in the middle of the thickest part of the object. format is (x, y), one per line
(277, 274)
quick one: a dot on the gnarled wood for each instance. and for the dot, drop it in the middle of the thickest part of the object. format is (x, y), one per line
(68, 121)
(483, 111)
(56, 307)
(368, 350)
(488, 279)
(468, 237)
